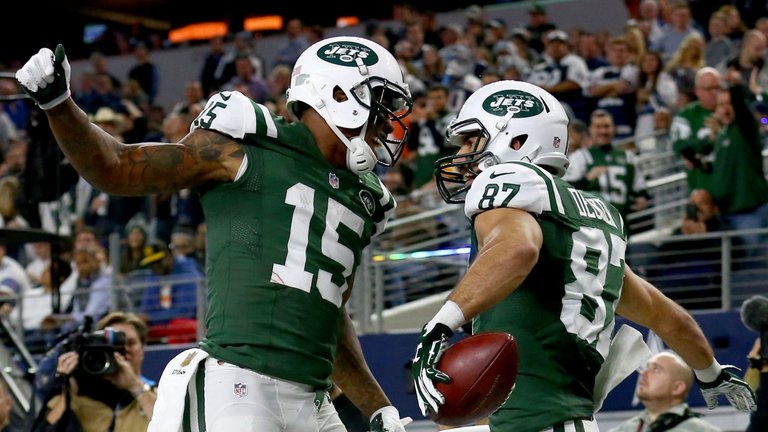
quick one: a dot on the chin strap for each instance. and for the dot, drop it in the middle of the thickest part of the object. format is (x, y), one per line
(360, 157)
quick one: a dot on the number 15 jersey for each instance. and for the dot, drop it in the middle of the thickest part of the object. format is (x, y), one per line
(284, 240)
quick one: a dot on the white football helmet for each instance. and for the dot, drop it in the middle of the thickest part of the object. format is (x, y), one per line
(496, 115)
(373, 83)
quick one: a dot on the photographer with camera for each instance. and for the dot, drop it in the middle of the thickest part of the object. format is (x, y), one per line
(754, 314)
(98, 381)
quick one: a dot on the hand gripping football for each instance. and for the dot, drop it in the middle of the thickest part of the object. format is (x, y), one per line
(483, 369)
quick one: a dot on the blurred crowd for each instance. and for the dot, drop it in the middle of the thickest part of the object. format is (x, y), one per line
(682, 77)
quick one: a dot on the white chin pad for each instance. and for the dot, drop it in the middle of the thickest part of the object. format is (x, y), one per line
(360, 157)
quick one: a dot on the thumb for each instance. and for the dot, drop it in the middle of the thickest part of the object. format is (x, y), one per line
(59, 55)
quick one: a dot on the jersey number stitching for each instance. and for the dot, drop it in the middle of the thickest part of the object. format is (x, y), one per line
(490, 192)
(210, 114)
(585, 311)
(293, 272)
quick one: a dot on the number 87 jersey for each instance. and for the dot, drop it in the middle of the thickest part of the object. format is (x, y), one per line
(284, 240)
(562, 315)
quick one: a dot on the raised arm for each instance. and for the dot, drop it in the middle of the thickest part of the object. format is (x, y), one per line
(136, 169)
(115, 167)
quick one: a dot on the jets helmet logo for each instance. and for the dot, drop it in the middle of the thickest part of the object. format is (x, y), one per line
(347, 53)
(521, 104)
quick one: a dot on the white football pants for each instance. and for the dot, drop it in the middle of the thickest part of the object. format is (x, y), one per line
(227, 398)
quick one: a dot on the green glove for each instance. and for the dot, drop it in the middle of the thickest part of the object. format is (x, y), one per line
(433, 342)
(45, 77)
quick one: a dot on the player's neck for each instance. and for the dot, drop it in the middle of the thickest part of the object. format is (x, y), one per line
(330, 146)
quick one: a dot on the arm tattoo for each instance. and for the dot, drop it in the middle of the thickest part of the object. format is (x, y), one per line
(201, 157)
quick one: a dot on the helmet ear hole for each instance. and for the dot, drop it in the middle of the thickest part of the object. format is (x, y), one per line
(339, 95)
(518, 142)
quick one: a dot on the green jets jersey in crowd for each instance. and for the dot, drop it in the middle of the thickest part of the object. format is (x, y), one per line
(284, 240)
(620, 184)
(562, 315)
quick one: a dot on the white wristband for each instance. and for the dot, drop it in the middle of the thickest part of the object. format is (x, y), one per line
(387, 410)
(709, 374)
(450, 315)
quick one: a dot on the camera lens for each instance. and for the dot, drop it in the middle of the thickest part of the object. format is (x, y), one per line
(96, 362)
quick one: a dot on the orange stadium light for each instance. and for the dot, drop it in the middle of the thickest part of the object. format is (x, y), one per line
(205, 30)
(347, 21)
(261, 23)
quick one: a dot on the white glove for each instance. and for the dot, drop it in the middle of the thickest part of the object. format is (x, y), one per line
(388, 419)
(738, 392)
(45, 77)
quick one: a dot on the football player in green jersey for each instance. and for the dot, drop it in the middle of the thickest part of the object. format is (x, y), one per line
(289, 208)
(547, 266)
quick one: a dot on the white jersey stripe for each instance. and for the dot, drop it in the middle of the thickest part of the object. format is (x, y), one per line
(270, 122)
(554, 194)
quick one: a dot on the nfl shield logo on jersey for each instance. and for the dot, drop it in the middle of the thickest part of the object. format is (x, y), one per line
(556, 142)
(240, 389)
(333, 180)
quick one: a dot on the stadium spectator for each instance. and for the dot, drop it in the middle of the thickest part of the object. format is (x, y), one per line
(590, 50)
(99, 66)
(686, 61)
(427, 139)
(719, 47)
(254, 86)
(193, 94)
(208, 79)
(680, 25)
(40, 259)
(145, 72)
(690, 131)
(614, 87)
(656, 90)
(649, 13)
(92, 295)
(741, 190)
(736, 27)
(14, 282)
(609, 171)
(538, 26)
(132, 250)
(174, 291)
(578, 135)
(293, 47)
(120, 401)
(663, 390)
(562, 73)
(750, 56)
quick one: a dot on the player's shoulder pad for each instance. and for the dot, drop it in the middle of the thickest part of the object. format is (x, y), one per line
(518, 185)
(228, 112)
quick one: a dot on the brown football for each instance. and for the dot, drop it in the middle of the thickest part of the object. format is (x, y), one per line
(483, 369)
